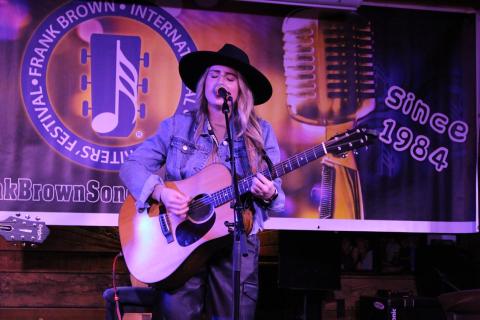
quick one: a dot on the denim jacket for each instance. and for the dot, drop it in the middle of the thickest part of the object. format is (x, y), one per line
(175, 147)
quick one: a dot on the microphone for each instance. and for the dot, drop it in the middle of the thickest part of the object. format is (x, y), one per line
(222, 92)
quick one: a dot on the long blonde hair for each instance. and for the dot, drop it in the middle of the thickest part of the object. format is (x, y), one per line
(243, 116)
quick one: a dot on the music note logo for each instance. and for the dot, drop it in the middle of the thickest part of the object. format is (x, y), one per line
(114, 84)
(100, 121)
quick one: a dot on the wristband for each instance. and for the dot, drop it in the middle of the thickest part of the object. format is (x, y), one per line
(273, 197)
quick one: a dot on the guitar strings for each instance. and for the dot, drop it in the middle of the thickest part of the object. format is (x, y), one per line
(222, 196)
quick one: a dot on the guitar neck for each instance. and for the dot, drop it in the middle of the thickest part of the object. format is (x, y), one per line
(280, 169)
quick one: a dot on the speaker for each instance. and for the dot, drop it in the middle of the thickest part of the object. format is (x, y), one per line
(309, 260)
(400, 308)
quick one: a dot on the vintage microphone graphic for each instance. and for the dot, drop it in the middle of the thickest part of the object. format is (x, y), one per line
(329, 72)
(328, 66)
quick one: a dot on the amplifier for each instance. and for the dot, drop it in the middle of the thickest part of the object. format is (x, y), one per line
(397, 307)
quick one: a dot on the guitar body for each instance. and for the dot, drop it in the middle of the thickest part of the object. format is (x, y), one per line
(149, 255)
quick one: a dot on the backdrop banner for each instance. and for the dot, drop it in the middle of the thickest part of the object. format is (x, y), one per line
(86, 82)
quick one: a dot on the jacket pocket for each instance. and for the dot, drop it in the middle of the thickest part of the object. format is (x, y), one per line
(179, 153)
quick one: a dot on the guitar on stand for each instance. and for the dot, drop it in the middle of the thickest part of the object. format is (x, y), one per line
(164, 248)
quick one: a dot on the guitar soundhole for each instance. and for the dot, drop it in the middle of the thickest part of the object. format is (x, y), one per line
(201, 209)
(200, 219)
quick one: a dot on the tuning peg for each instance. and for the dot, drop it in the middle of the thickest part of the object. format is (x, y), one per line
(27, 216)
(18, 214)
(38, 218)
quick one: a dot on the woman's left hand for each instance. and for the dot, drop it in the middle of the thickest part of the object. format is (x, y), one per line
(262, 187)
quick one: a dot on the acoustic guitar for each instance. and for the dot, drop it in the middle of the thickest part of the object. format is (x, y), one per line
(166, 249)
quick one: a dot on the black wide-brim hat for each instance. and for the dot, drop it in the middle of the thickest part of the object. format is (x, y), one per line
(193, 65)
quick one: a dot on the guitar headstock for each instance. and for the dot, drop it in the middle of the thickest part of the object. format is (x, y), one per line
(16, 229)
(351, 140)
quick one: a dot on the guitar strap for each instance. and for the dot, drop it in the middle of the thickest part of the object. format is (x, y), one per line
(271, 167)
(211, 133)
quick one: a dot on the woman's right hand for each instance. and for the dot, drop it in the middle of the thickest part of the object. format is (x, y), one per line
(174, 201)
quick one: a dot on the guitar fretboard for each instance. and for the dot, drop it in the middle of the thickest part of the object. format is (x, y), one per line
(280, 169)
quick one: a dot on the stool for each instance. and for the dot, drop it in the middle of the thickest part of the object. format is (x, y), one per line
(131, 300)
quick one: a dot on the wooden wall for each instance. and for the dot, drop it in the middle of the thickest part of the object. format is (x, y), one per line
(63, 278)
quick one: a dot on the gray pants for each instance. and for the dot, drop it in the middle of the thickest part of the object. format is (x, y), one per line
(209, 294)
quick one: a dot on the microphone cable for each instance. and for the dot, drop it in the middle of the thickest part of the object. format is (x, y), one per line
(114, 285)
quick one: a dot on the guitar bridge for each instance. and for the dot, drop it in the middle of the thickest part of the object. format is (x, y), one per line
(165, 226)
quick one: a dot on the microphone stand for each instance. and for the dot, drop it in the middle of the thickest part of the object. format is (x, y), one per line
(239, 238)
